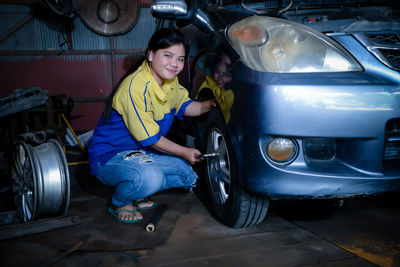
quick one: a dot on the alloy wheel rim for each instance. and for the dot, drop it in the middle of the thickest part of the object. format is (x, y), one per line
(24, 183)
(218, 168)
(40, 180)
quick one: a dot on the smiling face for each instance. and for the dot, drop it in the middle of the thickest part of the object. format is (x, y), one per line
(166, 63)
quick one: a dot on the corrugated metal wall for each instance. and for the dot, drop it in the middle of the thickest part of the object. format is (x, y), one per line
(37, 54)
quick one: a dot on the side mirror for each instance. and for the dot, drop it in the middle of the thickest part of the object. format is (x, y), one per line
(169, 9)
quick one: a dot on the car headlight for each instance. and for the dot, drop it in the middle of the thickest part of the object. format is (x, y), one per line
(275, 45)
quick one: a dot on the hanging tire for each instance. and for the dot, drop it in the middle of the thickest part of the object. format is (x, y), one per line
(40, 180)
(233, 205)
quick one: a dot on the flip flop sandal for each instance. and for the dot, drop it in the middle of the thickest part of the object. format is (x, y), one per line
(136, 204)
(115, 213)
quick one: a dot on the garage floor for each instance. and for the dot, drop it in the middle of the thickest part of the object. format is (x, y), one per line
(363, 232)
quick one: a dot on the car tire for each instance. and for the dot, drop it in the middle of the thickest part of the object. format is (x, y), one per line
(234, 206)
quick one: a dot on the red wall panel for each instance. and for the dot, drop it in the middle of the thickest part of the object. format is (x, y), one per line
(80, 77)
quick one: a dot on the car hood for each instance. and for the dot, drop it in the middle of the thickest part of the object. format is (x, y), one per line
(259, 4)
(324, 16)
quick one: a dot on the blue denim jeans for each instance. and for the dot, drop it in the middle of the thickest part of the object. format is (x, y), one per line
(136, 174)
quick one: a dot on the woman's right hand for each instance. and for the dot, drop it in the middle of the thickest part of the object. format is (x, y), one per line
(187, 153)
(191, 155)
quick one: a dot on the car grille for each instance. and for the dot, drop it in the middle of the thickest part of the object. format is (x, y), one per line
(319, 148)
(385, 46)
(393, 56)
(388, 39)
(392, 144)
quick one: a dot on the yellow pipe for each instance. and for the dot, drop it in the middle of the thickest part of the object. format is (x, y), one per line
(73, 132)
(77, 163)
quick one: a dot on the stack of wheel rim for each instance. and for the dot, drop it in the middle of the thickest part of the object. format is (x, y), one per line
(40, 181)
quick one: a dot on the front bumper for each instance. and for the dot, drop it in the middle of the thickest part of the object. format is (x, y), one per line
(329, 179)
(356, 110)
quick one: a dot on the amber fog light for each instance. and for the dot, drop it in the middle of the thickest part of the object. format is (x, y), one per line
(281, 149)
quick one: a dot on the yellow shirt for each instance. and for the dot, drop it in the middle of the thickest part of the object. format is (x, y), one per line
(148, 110)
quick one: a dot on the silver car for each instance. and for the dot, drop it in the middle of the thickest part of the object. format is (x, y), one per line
(309, 99)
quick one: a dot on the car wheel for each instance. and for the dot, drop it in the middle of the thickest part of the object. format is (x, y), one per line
(234, 206)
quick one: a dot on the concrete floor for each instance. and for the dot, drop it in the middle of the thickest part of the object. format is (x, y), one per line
(199, 240)
(367, 227)
(364, 232)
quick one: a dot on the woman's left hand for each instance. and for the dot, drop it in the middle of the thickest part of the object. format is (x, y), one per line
(207, 105)
(213, 103)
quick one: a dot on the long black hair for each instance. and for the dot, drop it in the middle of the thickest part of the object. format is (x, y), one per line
(161, 39)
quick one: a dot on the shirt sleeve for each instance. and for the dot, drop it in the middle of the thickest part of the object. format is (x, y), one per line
(183, 101)
(137, 113)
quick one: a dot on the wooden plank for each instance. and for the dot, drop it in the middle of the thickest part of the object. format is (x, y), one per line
(16, 230)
